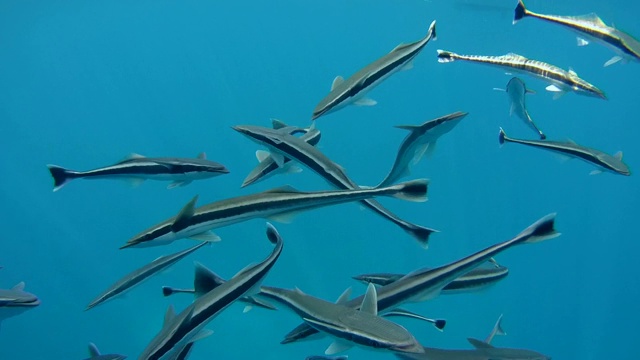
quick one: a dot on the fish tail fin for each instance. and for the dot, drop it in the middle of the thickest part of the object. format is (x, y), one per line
(421, 234)
(501, 137)
(446, 56)
(60, 175)
(541, 230)
(520, 12)
(415, 190)
(167, 291)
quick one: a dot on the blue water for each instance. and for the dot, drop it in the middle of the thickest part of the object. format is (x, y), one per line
(82, 84)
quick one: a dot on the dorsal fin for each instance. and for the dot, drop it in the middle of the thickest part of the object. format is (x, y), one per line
(132, 156)
(370, 301)
(400, 46)
(344, 297)
(169, 315)
(205, 280)
(283, 189)
(479, 344)
(618, 155)
(337, 81)
(182, 219)
(19, 286)
(202, 155)
(516, 56)
(93, 350)
(278, 124)
(262, 155)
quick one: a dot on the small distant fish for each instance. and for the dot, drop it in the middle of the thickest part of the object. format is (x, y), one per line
(137, 168)
(139, 275)
(15, 301)
(268, 165)
(561, 81)
(516, 89)
(603, 161)
(590, 28)
(353, 90)
(420, 141)
(94, 354)
(325, 357)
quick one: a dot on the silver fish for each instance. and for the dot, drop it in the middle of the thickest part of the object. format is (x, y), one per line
(561, 81)
(137, 276)
(516, 89)
(94, 354)
(187, 327)
(590, 28)
(604, 162)
(282, 145)
(420, 141)
(15, 301)
(424, 284)
(278, 204)
(137, 168)
(353, 90)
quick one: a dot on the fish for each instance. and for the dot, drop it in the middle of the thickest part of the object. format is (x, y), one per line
(279, 204)
(136, 169)
(426, 283)
(94, 354)
(16, 301)
(604, 162)
(476, 279)
(354, 89)
(137, 276)
(589, 28)
(324, 357)
(282, 145)
(516, 89)
(347, 325)
(188, 326)
(420, 141)
(206, 280)
(267, 166)
(561, 81)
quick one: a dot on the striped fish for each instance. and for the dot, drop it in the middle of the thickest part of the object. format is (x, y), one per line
(561, 81)
(137, 168)
(187, 327)
(279, 204)
(603, 161)
(137, 276)
(94, 354)
(283, 145)
(353, 90)
(424, 284)
(590, 28)
(517, 90)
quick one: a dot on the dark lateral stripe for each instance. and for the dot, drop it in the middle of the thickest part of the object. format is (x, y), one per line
(462, 284)
(573, 152)
(120, 170)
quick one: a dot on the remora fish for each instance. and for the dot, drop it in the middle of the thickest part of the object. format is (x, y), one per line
(420, 141)
(561, 80)
(268, 166)
(188, 326)
(206, 280)
(349, 326)
(516, 89)
(284, 145)
(483, 351)
(278, 204)
(94, 354)
(590, 28)
(604, 162)
(15, 301)
(424, 284)
(353, 90)
(476, 279)
(139, 275)
(137, 168)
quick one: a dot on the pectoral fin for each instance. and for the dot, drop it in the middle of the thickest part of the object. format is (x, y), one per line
(365, 102)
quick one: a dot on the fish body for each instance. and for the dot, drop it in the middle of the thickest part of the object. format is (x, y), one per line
(188, 326)
(420, 141)
(137, 168)
(561, 80)
(15, 301)
(590, 27)
(353, 90)
(476, 354)
(283, 145)
(603, 161)
(139, 275)
(94, 354)
(517, 90)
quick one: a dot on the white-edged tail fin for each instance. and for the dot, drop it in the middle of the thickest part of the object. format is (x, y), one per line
(415, 190)
(541, 230)
(60, 176)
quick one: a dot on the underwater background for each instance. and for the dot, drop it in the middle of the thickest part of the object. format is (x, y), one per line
(84, 83)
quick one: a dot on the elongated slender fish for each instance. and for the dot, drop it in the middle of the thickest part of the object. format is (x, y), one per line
(137, 168)
(348, 326)
(561, 81)
(282, 145)
(353, 90)
(94, 354)
(516, 89)
(476, 279)
(420, 141)
(15, 301)
(137, 276)
(424, 284)
(604, 162)
(188, 326)
(590, 28)
(278, 204)
(268, 166)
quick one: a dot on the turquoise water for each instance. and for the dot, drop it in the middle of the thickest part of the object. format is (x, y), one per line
(85, 83)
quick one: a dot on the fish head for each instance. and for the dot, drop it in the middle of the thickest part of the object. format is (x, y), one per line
(157, 235)
(18, 299)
